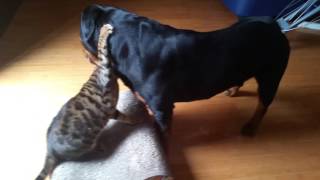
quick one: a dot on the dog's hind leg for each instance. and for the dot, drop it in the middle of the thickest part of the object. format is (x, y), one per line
(268, 82)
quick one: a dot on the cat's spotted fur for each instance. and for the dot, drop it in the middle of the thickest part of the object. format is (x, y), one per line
(75, 130)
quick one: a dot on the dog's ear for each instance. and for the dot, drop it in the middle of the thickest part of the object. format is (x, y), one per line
(88, 27)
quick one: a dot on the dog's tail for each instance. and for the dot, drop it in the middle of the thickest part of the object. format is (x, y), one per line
(50, 164)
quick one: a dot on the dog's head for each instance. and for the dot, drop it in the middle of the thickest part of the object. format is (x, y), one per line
(92, 19)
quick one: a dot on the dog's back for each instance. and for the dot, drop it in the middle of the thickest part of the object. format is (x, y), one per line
(208, 63)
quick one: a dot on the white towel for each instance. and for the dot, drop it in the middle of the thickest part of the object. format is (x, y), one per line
(133, 152)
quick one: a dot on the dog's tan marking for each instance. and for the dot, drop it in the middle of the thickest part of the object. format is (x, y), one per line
(141, 99)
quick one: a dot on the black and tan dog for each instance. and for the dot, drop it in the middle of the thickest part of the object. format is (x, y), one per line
(164, 65)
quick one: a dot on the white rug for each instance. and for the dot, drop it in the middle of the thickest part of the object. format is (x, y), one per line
(133, 152)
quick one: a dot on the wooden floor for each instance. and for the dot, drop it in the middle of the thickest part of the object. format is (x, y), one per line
(42, 66)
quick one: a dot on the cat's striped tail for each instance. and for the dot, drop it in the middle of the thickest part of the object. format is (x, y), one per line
(50, 164)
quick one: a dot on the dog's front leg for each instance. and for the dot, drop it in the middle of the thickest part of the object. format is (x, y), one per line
(163, 115)
(159, 106)
(162, 109)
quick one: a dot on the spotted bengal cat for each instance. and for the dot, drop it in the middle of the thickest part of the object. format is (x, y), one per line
(75, 130)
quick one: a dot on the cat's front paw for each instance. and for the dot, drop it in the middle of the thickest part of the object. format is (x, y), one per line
(128, 119)
(134, 121)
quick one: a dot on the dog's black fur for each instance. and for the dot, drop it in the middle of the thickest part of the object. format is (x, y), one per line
(166, 65)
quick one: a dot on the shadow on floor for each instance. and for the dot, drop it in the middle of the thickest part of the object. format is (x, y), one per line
(299, 118)
(35, 22)
(7, 12)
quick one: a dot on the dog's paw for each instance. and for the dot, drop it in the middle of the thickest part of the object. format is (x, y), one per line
(232, 91)
(249, 130)
(164, 128)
